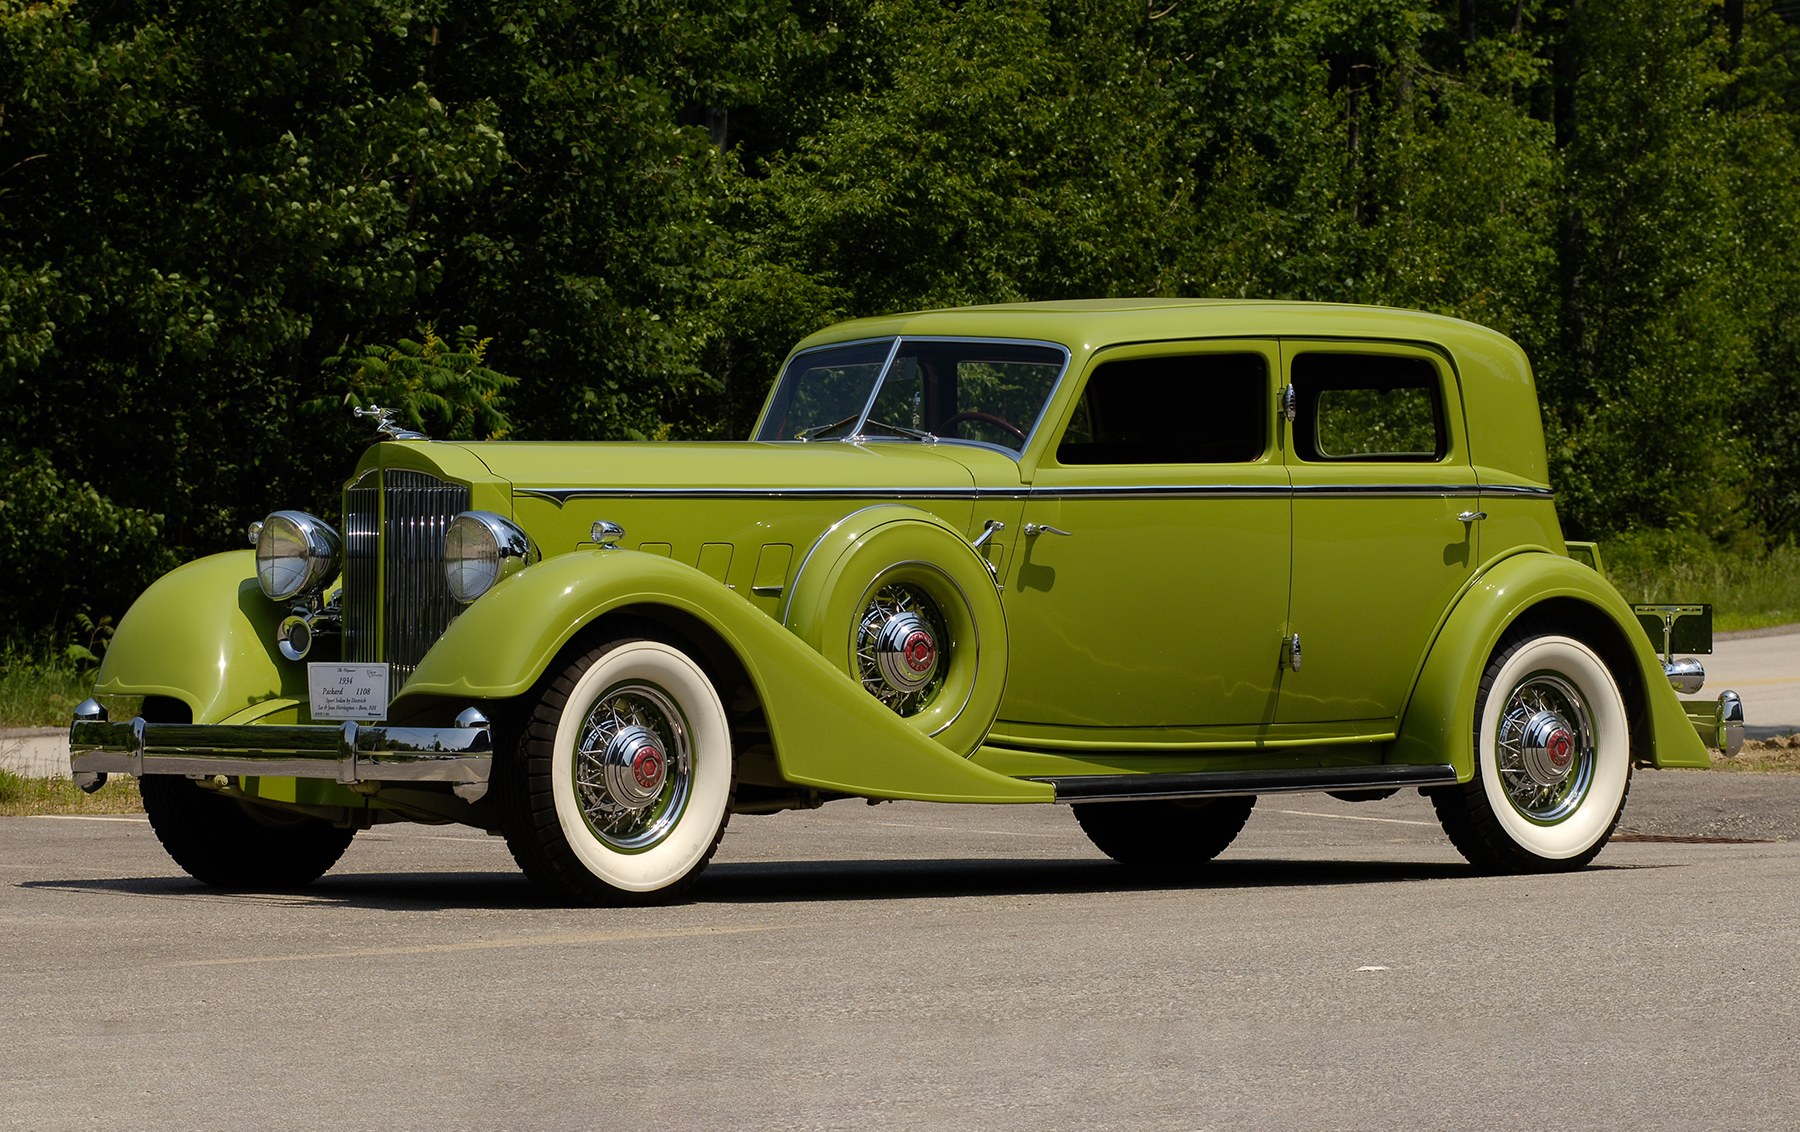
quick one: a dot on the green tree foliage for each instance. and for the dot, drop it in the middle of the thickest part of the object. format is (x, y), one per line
(215, 217)
(445, 390)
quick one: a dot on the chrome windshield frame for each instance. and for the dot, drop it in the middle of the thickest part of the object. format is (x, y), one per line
(856, 435)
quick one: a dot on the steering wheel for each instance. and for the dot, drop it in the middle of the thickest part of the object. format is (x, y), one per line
(984, 418)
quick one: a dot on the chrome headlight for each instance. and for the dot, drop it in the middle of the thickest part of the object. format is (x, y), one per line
(295, 554)
(480, 548)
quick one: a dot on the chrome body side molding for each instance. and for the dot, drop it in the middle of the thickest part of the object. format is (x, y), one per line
(1224, 784)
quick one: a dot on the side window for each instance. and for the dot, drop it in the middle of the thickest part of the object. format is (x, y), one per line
(1181, 409)
(1367, 407)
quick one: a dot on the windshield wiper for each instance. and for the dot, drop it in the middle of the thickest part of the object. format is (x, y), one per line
(900, 430)
(821, 430)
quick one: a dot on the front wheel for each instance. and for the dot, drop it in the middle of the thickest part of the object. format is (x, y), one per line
(621, 785)
(231, 844)
(1553, 760)
(1167, 837)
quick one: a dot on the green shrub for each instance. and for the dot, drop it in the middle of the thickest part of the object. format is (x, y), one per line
(1749, 586)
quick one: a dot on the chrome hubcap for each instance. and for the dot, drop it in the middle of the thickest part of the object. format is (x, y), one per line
(1545, 748)
(906, 652)
(633, 767)
(899, 656)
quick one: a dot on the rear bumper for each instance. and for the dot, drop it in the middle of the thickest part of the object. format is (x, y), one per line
(1719, 722)
(346, 753)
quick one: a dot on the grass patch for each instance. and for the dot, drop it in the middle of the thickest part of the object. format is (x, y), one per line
(39, 686)
(1752, 588)
(34, 797)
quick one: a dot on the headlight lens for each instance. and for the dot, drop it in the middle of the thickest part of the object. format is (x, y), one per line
(480, 548)
(295, 554)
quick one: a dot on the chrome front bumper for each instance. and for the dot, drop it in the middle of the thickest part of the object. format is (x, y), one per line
(347, 753)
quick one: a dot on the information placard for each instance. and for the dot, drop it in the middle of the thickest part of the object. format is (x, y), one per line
(348, 691)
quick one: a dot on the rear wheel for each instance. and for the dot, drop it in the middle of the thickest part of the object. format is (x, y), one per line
(621, 785)
(1552, 760)
(231, 844)
(1172, 837)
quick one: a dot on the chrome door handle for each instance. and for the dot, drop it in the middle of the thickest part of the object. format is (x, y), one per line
(1033, 530)
(1471, 516)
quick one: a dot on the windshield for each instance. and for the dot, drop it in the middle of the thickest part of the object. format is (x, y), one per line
(915, 389)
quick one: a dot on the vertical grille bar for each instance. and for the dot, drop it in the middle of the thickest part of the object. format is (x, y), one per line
(396, 601)
(362, 568)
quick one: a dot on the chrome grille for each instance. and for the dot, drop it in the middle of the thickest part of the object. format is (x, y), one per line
(396, 602)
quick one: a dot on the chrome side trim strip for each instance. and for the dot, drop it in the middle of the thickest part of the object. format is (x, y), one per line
(1503, 490)
(1221, 784)
(345, 753)
(562, 495)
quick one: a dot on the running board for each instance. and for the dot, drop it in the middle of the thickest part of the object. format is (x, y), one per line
(1225, 783)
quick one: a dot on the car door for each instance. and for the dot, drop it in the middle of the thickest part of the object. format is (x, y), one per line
(1149, 587)
(1384, 528)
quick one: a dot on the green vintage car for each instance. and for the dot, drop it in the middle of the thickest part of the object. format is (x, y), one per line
(1146, 559)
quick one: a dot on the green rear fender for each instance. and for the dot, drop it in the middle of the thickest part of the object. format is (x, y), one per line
(203, 634)
(1573, 599)
(827, 732)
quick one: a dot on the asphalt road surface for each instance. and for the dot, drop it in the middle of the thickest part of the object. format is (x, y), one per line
(911, 966)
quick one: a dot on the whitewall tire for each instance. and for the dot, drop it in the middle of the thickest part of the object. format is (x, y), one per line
(1552, 759)
(622, 783)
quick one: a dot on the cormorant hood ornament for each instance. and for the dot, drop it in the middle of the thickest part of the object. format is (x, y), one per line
(386, 428)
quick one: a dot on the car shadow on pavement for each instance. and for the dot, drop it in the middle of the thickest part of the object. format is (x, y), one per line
(399, 891)
(782, 882)
(939, 878)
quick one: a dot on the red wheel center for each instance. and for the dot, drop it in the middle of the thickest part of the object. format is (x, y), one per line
(1561, 748)
(919, 651)
(647, 767)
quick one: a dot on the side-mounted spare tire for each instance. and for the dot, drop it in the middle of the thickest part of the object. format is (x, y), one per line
(900, 602)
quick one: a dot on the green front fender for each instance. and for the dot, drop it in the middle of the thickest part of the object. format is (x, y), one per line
(1439, 723)
(827, 732)
(203, 634)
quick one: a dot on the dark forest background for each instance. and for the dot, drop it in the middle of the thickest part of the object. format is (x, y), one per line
(221, 220)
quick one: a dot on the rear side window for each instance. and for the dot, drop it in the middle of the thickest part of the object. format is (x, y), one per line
(1181, 409)
(1367, 407)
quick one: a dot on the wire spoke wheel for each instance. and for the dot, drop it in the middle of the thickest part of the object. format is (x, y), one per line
(900, 648)
(633, 766)
(1545, 748)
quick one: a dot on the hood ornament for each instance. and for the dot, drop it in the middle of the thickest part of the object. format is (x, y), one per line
(386, 426)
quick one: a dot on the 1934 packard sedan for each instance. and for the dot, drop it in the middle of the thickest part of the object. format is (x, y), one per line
(1148, 559)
